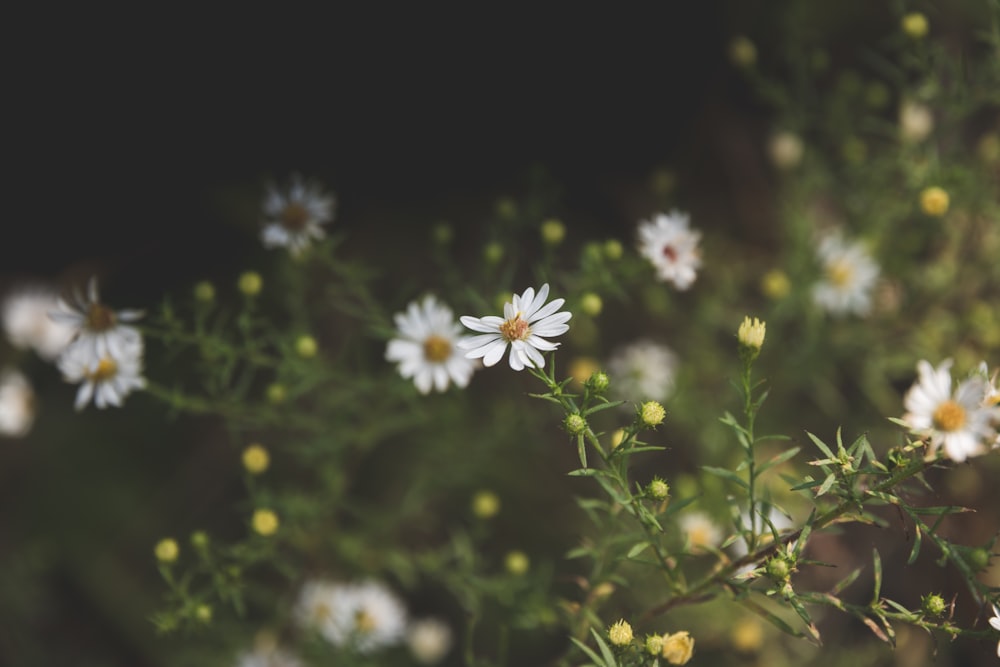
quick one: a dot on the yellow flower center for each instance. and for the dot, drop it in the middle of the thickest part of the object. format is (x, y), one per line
(295, 217)
(106, 369)
(840, 273)
(437, 348)
(949, 416)
(99, 318)
(321, 611)
(515, 329)
(364, 622)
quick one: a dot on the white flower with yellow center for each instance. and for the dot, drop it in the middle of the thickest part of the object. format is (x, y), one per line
(991, 400)
(17, 404)
(27, 323)
(427, 347)
(849, 275)
(643, 371)
(99, 332)
(960, 423)
(671, 247)
(107, 379)
(366, 616)
(294, 218)
(525, 326)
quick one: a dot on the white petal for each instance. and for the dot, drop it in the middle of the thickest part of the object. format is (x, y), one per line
(488, 324)
(493, 353)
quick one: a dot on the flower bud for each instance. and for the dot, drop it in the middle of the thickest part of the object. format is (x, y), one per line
(620, 634)
(652, 413)
(516, 562)
(265, 522)
(658, 489)
(204, 292)
(654, 644)
(934, 201)
(203, 613)
(167, 550)
(599, 382)
(778, 569)
(915, 25)
(276, 393)
(678, 647)
(575, 424)
(751, 334)
(553, 232)
(933, 604)
(485, 504)
(742, 52)
(250, 283)
(591, 304)
(613, 249)
(305, 347)
(256, 459)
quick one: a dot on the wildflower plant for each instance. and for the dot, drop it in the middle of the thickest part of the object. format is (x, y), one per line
(669, 482)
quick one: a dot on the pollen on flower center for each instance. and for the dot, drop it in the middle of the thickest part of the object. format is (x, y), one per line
(949, 416)
(106, 369)
(515, 329)
(670, 253)
(437, 348)
(100, 318)
(840, 273)
(295, 216)
(364, 622)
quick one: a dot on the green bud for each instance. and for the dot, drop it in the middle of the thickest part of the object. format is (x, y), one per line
(250, 283)
(305, 347)
(658, 489)
(652, 413)
(599, 382)
(778, 569)
(575, 424)
(591, 304)
(204, 292)
(276, 393)
(933, 604)
(493, 252)
(553, 232)
(613, 249)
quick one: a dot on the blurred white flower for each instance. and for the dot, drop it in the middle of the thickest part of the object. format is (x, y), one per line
(849, 276)
(995, 624)
(107, 379)
(642, 371)
(429, 640)
(786, 150)
(99, 332)
(17, 404)
(294, 218)
(915, 121)
(961, 423)
(28, 325)
(270, 656)
(525, 325)
(427, 347)
(366, 616)
(671, 247)
(700, 531)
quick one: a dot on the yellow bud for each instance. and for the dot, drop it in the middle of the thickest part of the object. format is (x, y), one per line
(591, 304)
(775, 284)
(517, 562)
(204, 292)
(678, 647)
(167, 550)
(485, 504)
(652, 413)
(934, 201)
(265, 522)
(742, 52)
(620, 634)
(553, 232)
(751, 334)
(276, 393)
(250, 283)
(915, 25)
(305, 347)
(256, 459)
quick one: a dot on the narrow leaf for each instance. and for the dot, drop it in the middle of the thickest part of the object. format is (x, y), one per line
(779, 459)
(726, 474)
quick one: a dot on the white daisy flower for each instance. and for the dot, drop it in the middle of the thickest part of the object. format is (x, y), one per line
(995, 624)
(294, 219)
(366, 616)
(28, 325)
(17, 404)
(959, 422)
(427, 347)
(671, 247)
(700, 531)
(991, 399)
(849, 277)
(270, 656)
(108, 379)
(642, 371)
(429, 640)
(525, 325)
(99, 332)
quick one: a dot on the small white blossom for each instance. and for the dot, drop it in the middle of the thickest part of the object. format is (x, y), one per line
(99, 332)
(429, 640)
(671, 247)
(700, 531)
(961, 423)
(427, 347)
(107, 379)
(916, 121)
(849, 275)
(294, 218)
(28, 325)
(366, 616)
(643, 371)
(271, 656)
(525, 325)
(995, 624)
(17, 404)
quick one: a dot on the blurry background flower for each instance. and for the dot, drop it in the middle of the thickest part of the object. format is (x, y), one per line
(294, 218)
(426, 348)
(28, 325)
(643, 370)
(671, 247)
(849, 275)
(17, 404)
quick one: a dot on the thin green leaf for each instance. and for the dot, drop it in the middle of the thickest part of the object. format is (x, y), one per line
(590, 654)
(778, 460)
(726, 474)
(602, 406)
(821, 445)
(827, 484)
(637, 549)
(915, 551)
(877, 562)
(609, 657)
(770, 617)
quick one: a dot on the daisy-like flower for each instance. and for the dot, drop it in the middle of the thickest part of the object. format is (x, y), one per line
(99, 332)
(671, 247)
(961, 423)
(525, 325)
(991, 400)
(107, 379)
(995, 624)
(643, 370)
(849, 275)
(427, 347)
(366, 616)
(28, 325)
(700, 530)
(268, 656)
(17, 404)
(294, 218)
